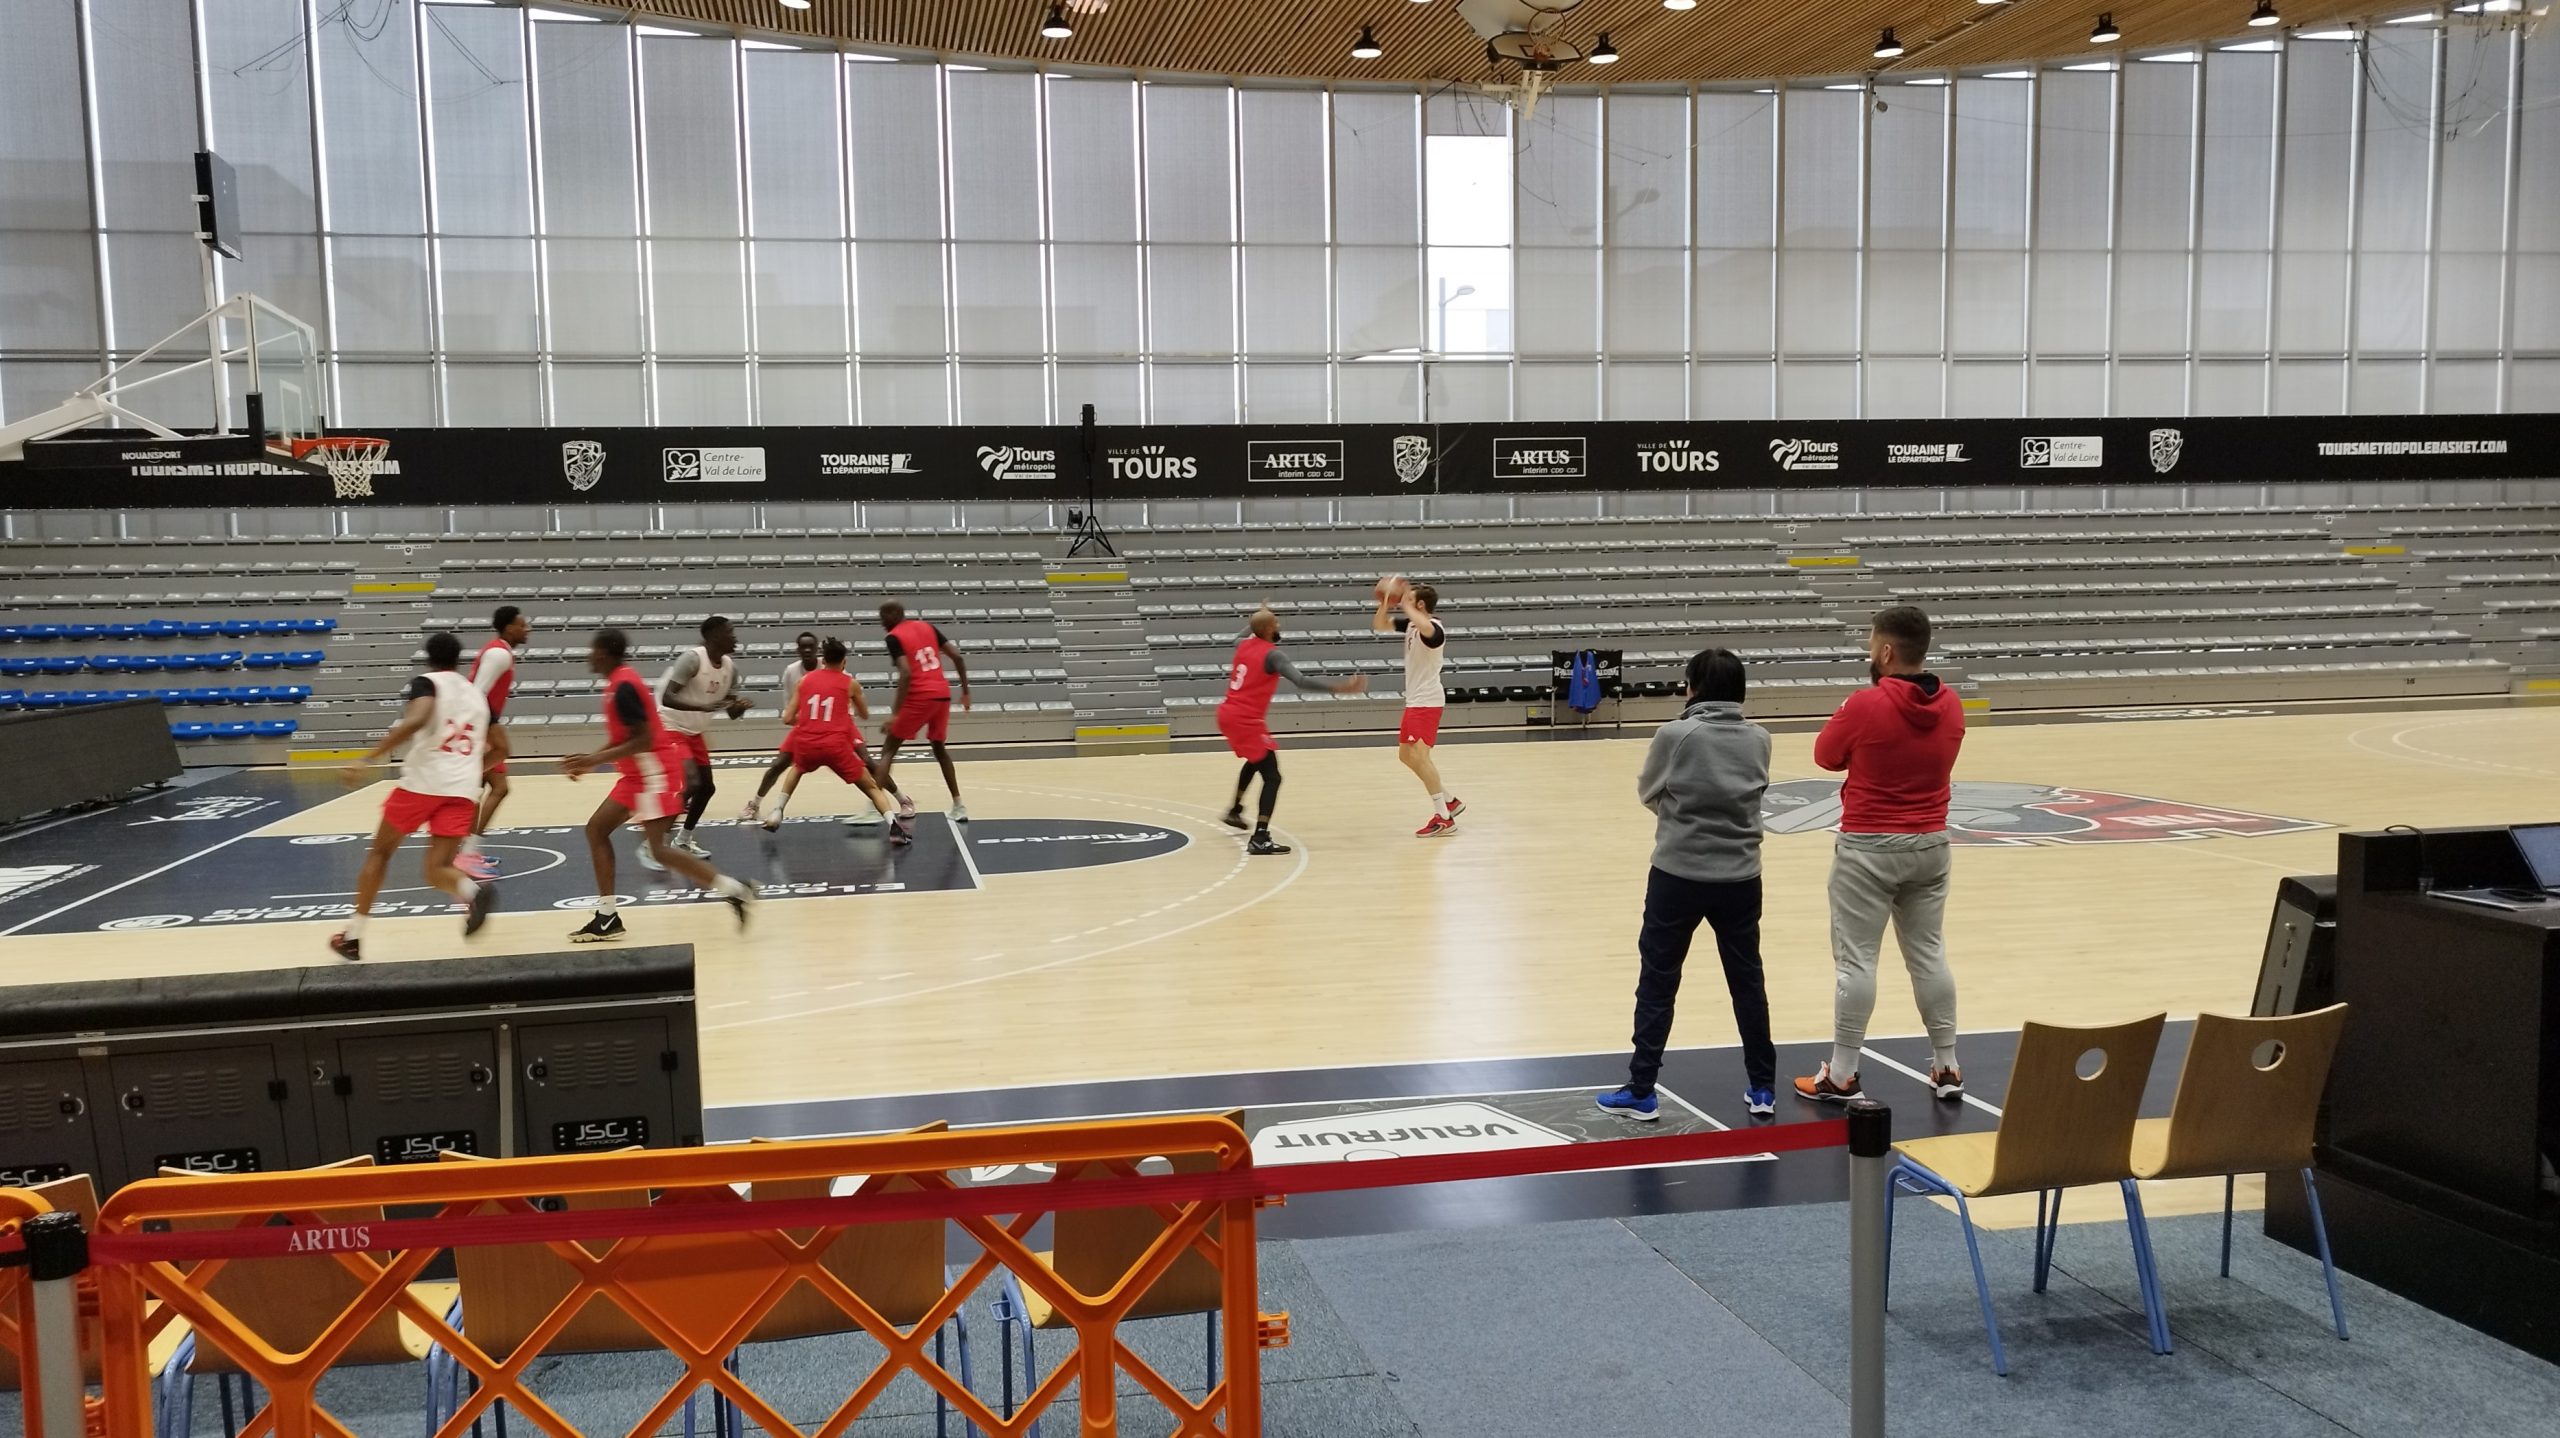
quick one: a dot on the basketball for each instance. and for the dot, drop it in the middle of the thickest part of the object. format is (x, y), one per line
(1390, 589)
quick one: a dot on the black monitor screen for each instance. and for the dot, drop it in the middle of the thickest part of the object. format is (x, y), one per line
(2541, 846)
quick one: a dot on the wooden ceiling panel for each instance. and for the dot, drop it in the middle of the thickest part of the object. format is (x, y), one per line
(1428, 42)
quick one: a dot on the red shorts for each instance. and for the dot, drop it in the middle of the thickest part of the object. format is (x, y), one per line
(1420, 726)
(695, 747)
(441, 815)
(926, 714)
(1248, 735)
(783, 749)
(842, 759)
(652, 784)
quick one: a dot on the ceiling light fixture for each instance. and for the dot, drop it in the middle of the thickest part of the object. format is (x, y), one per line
(1603, 53)
(2105, 31)
(2264, 15)
(1056, 26)
(1679, 4)
(1366, 47)
(795, 4)
(1887, 47)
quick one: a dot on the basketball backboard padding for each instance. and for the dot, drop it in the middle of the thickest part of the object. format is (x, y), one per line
(217, 204)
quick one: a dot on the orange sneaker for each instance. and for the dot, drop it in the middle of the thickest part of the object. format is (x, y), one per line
(1821, 1089)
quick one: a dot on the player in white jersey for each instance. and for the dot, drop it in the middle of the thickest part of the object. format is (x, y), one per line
(493, 673)
(445, 729)
(701, 683)
(1409, 609)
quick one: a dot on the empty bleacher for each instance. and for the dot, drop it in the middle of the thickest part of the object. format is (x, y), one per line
(260, 642)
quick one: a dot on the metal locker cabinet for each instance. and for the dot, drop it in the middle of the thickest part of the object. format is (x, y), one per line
(404, 1095)
(214, 1109)
(48, 1126)
(596, 1084)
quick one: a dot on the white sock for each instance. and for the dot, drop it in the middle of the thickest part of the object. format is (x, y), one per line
(607, 904)
(1844, 1063)
(1945, 1058)
(470, 888)
(1440, 801)
(780, 803)
(355, 926)
(727, 887)
(471, 843)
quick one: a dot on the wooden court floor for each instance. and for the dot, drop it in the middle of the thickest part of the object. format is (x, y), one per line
(1514, 937)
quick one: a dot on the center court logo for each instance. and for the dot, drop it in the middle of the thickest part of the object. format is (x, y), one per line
(1003, 462)
(1150, 461)
(1674, 456)
(2024, 815)
(1796, 454)
(714, 466)
(582, 463)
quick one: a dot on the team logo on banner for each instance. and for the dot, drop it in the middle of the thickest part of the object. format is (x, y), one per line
(2165, 444)
(1413, 457)
(582, 460)
(2024, 815)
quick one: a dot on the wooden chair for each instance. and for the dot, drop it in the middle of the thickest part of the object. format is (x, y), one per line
(897, 1268)
(288, 1301)
(1092, 1248)
(2069, 1121)
(2235, 1114)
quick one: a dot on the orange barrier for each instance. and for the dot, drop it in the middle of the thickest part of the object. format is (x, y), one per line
(17, 1311)
(689, 1265)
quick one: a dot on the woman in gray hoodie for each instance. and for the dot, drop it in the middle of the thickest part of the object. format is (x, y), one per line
(1703, 779)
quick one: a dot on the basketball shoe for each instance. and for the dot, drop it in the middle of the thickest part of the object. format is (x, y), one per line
(1625, 1103)
(1821, 1088)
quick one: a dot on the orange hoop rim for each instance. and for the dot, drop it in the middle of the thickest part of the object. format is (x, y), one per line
(355, 444)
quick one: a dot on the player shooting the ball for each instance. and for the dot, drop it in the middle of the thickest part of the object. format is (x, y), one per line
(1410, 610)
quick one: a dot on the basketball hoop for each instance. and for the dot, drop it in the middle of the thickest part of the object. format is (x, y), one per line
(352, 460)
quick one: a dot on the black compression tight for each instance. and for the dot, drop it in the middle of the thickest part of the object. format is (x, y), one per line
(1268, 766)
(697, 794)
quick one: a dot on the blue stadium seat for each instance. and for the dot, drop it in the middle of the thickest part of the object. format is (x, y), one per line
(13, 698)
(106, 663)
(123, 695)
(170, 697)
(86, 697)
(274, 728)
(145, 664)
(21, 668)
(45, 699)
(179, 663)
(200, 628)
(63, 666)
(208, 695)
(239, 628)
(305, 658)
(262, 659)
(291, 693)
(160, 629)
(122, 631)
(12, 633)
(234, 729)
(191, 731)
(252, 694)
(44, 631)
(80, 631)
(315, 626)
(224, 659)
(275, 626)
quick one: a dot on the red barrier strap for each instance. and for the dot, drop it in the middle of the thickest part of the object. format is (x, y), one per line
(717, 1215)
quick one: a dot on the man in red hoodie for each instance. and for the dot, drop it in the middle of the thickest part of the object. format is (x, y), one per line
(1897, 740)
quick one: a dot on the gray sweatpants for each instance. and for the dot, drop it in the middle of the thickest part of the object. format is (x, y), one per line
(1902, 877)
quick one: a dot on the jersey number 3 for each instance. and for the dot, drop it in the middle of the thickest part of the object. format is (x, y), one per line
(1238, 681)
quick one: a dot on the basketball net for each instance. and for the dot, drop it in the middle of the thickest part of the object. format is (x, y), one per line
(351, 461)
(1524, 93)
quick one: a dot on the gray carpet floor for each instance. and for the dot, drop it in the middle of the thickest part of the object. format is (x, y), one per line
(1716, 1323)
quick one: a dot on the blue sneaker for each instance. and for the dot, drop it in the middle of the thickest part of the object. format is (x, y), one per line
(1625, 1104)
(1760, 1101)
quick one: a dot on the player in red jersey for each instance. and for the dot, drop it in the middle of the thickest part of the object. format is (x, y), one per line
(1244, 718)
(803, 664)
(920, 652)
(440, 736)
(823, 737)
(650, 791)
(493, 673)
